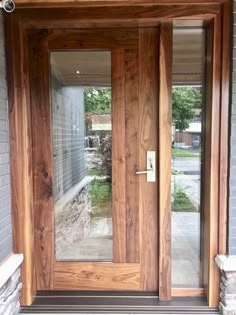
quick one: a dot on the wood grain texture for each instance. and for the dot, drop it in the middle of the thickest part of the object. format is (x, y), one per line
(214, 273)
(20, 153)
(125, 80)
(211, 162)
(117, 16)
(165, 143)
(41, 159)
(96, 276)
(20, 110)
(118, 157)
(224, 130)
(88, 38)
(76, 3)
(131, 136)
(148, 139)
(188, 292)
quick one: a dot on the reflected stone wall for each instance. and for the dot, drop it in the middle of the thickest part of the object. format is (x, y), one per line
(72, 220)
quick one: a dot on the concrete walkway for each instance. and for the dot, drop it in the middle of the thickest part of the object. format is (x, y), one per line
(185, 249)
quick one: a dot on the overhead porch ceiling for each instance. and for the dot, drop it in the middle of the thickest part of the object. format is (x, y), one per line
(94, 67)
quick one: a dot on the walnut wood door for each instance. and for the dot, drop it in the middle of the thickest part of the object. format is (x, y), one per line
(134, 72)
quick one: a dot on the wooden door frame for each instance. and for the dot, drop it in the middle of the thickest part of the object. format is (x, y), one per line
(108, 14)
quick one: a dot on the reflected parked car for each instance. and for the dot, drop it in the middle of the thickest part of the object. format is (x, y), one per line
(196, 142)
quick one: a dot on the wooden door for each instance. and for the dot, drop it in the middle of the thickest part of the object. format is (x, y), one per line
(134, 62)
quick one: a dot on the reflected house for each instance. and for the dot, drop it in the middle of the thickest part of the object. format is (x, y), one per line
(101, 122)
(190, 137)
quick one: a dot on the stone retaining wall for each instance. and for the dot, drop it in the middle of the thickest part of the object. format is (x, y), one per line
(10, 285)
(227, 265)
(72, 220)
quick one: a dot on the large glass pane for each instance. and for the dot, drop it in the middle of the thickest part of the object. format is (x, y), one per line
(187, 113)
(82, 141)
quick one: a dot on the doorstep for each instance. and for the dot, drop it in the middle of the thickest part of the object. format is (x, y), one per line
(127, 303)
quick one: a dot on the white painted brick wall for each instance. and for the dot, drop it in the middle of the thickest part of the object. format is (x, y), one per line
(5, 203)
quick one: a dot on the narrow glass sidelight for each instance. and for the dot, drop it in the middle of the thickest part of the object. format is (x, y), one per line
(82, 162)
(187, 152)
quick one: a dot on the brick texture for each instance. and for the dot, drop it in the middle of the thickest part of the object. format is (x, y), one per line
(68, 137)
(5, 201)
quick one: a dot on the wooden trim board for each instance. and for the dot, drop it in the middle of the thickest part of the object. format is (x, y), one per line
(165, 145)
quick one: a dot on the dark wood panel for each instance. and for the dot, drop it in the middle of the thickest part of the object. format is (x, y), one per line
(148, 139)
(118, 156)
(96, 276)
(42, 159)
(79, 3)
(20, 153)
(165, 143)
(118, 16)
(93, 38)
(131, 135)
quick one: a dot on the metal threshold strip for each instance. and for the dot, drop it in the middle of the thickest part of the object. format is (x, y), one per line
(114, 303)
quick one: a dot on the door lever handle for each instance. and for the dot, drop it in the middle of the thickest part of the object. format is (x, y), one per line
(143, 172)
(151, 167)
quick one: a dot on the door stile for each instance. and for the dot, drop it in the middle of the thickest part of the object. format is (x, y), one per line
(211, 276)
(165, 143)
(131, 70)
(118, 156)
(224, 135)
(148, 137)
(41, 160)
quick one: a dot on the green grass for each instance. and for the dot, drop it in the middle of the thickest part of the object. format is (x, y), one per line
(184, 153)
(183, 205)
(100, 192)
(96, 172)
(181, 201)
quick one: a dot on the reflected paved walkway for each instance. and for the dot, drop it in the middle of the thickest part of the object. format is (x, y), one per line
(185, 249)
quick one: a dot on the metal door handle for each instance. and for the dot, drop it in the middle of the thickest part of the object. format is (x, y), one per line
(143, 172)
(151, 167)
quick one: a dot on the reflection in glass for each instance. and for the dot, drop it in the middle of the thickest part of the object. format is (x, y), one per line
(82, 140)
(187, 108)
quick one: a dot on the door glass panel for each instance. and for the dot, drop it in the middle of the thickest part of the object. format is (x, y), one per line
(81, 142)
(187, 152)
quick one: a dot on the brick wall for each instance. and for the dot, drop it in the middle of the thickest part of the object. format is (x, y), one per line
(5, 204)
(68, 137)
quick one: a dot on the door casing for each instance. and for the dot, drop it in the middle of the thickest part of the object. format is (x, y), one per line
(133, 13)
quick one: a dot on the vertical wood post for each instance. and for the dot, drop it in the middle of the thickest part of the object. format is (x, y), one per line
(165, 141)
